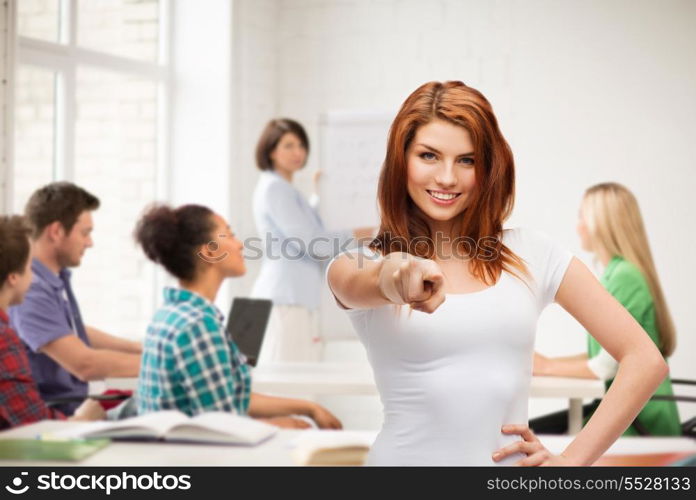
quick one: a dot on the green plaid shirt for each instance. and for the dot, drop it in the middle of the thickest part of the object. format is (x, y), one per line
(188, 364)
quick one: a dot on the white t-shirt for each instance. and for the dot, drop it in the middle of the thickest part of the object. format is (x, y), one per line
(450, 380)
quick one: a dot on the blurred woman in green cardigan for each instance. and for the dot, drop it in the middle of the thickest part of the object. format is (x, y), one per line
(611, 227)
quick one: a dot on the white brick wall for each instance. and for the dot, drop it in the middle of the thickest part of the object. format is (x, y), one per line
(127, 28)
(4, 120)
(115, 157)
(33, 132)
(115, 151)
(38, 19)
(255, 80)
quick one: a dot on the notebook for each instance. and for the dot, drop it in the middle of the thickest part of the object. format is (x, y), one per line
(37, 449)
(173, 425)
(246, 325)
(325, 447)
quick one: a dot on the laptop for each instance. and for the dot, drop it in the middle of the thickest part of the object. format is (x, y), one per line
(246, 325)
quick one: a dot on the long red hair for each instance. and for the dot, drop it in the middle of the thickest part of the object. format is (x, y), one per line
(491, 201)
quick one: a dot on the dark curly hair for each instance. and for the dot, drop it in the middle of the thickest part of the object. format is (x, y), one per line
(171, 236)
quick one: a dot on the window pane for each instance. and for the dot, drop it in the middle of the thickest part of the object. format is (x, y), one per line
(39, 19)
(127, 28)
(115, 159)
(34, 141)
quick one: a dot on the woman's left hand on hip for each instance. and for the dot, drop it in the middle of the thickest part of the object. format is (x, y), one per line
(537, 454)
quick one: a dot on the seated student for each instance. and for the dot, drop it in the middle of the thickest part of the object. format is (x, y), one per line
(63, 352)
(611, 227)
(20, 402)
(188, 363)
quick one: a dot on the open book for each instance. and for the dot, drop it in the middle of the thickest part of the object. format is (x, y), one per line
(324, 447)
(172, 425)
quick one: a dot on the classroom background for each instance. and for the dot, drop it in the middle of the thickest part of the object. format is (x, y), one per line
(143, 100)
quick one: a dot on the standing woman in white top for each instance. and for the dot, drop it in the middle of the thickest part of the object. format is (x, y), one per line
(453, 369)
(297, 246)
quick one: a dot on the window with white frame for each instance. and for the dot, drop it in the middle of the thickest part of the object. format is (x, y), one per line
(91, 81)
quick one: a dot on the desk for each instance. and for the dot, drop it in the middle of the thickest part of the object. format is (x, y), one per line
(276, 451)
(575, 389)
(357, 379)
(296, 379)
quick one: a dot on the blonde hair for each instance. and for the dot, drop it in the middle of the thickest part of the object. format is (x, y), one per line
(615, 226)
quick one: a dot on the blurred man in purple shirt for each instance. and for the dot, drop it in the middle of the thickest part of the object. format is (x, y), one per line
(64, 353)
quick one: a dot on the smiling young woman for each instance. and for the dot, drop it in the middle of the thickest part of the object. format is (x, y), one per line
(456, 150)
(455, 177)
(454, 375)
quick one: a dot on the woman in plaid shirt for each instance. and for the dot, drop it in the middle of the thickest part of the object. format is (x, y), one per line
(20, 402)
(188, 364)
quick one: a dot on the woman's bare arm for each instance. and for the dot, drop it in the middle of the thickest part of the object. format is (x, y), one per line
(358, 281)
(575, 357)
(641, 366)
(354, 280)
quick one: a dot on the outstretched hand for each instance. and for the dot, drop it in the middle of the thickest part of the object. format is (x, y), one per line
(416, 281)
